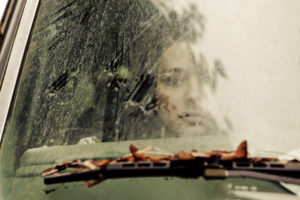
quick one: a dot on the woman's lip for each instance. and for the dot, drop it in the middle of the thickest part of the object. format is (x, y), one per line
(192, 119)
(188, 115)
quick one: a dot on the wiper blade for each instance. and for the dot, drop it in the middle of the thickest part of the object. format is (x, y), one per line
(133, 169)
(212, 165)
(289, 173)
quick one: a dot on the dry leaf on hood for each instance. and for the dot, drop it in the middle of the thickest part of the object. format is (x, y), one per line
(185, 156)
(242, 152)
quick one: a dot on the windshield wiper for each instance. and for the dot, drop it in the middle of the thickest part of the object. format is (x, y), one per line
(211, 165)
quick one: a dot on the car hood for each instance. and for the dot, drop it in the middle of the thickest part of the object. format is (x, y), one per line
(29, 184)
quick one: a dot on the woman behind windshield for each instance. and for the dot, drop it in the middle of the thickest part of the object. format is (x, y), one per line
(165, 89)
(122, 70)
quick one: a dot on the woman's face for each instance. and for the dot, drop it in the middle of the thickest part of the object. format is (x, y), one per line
(180, 92)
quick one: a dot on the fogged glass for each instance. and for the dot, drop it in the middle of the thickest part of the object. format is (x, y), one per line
(111, 71)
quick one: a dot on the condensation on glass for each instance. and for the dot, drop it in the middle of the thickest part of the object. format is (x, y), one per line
(111, 71)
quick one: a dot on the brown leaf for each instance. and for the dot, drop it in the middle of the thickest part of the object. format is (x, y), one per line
(199, 155)
(49, 171)
(293, 161)
(94, 182)
(136, 155)
(158, 158)
(155, 158)
(140, 157)
(102, 162)
(129, 158)
(242, 151)
(58, 168)
(215, 153)
(90, 164)
(185, 156)
(133, 149)
(228, 156)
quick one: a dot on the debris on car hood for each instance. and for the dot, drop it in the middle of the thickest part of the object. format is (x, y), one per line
(154, 155)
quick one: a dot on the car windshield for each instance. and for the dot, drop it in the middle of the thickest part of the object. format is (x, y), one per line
(177, 74)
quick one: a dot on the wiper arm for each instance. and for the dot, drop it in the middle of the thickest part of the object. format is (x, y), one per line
(133, 169)
(212, 165)
(288, 173)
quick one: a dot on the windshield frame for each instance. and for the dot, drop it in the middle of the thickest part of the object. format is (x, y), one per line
(26, 10)
(14, 60)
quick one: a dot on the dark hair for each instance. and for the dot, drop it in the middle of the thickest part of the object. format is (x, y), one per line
(133, 114)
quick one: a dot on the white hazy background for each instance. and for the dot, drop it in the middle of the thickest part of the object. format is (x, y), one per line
(259, 45)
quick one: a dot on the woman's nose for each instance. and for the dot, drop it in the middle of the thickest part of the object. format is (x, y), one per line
(193, 94)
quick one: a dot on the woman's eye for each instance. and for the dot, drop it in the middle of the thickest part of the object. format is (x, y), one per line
(172, 81)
